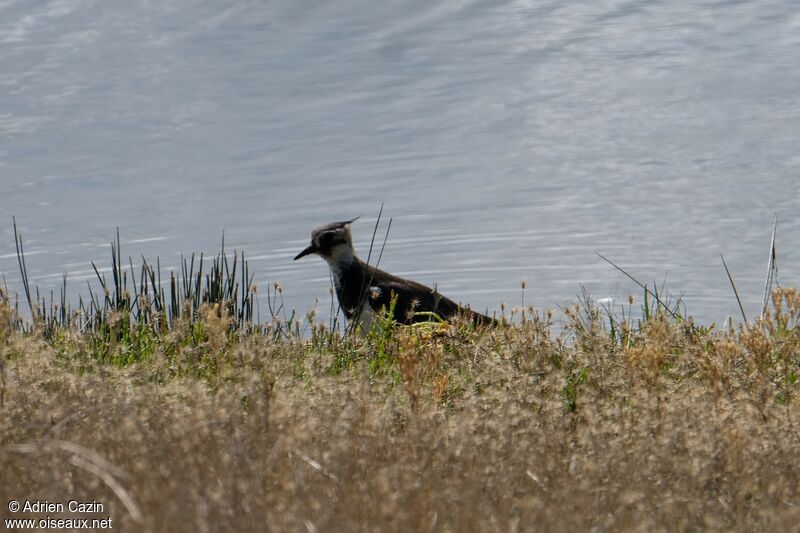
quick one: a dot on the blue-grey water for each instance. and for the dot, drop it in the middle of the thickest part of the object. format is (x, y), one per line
(508, 140)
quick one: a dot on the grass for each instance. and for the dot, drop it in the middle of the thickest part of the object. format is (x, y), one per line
(187, 417)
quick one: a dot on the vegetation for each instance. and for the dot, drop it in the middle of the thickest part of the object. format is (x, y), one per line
(192, 416)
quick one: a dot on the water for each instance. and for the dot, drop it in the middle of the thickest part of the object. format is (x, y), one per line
(507, 140)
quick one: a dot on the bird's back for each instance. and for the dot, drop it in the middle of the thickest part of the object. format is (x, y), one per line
(361, 284)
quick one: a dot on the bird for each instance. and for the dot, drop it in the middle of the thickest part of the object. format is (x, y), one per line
(364, 291)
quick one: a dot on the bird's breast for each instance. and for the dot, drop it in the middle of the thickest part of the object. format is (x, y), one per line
(366, 318)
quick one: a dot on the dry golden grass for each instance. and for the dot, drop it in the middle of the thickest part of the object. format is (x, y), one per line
(667, 427)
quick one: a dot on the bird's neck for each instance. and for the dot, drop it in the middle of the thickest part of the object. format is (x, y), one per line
(350, 281)
(341, 259)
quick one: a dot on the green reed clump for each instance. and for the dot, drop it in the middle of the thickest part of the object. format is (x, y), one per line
(132, 314)
(227, 284)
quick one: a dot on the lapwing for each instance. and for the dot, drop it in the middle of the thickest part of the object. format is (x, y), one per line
(364, 290)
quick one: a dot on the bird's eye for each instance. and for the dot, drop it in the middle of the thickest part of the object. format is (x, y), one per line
(326, 240)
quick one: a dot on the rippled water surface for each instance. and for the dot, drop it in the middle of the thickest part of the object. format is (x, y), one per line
(507, 140)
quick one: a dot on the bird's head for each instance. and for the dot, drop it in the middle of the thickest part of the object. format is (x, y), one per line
(333, 242)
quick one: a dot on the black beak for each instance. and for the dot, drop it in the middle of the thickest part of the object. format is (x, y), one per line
(309, 250)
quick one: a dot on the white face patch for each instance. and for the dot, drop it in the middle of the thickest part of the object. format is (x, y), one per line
(341, 253)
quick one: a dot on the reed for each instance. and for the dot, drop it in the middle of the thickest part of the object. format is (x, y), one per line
(143, 296)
